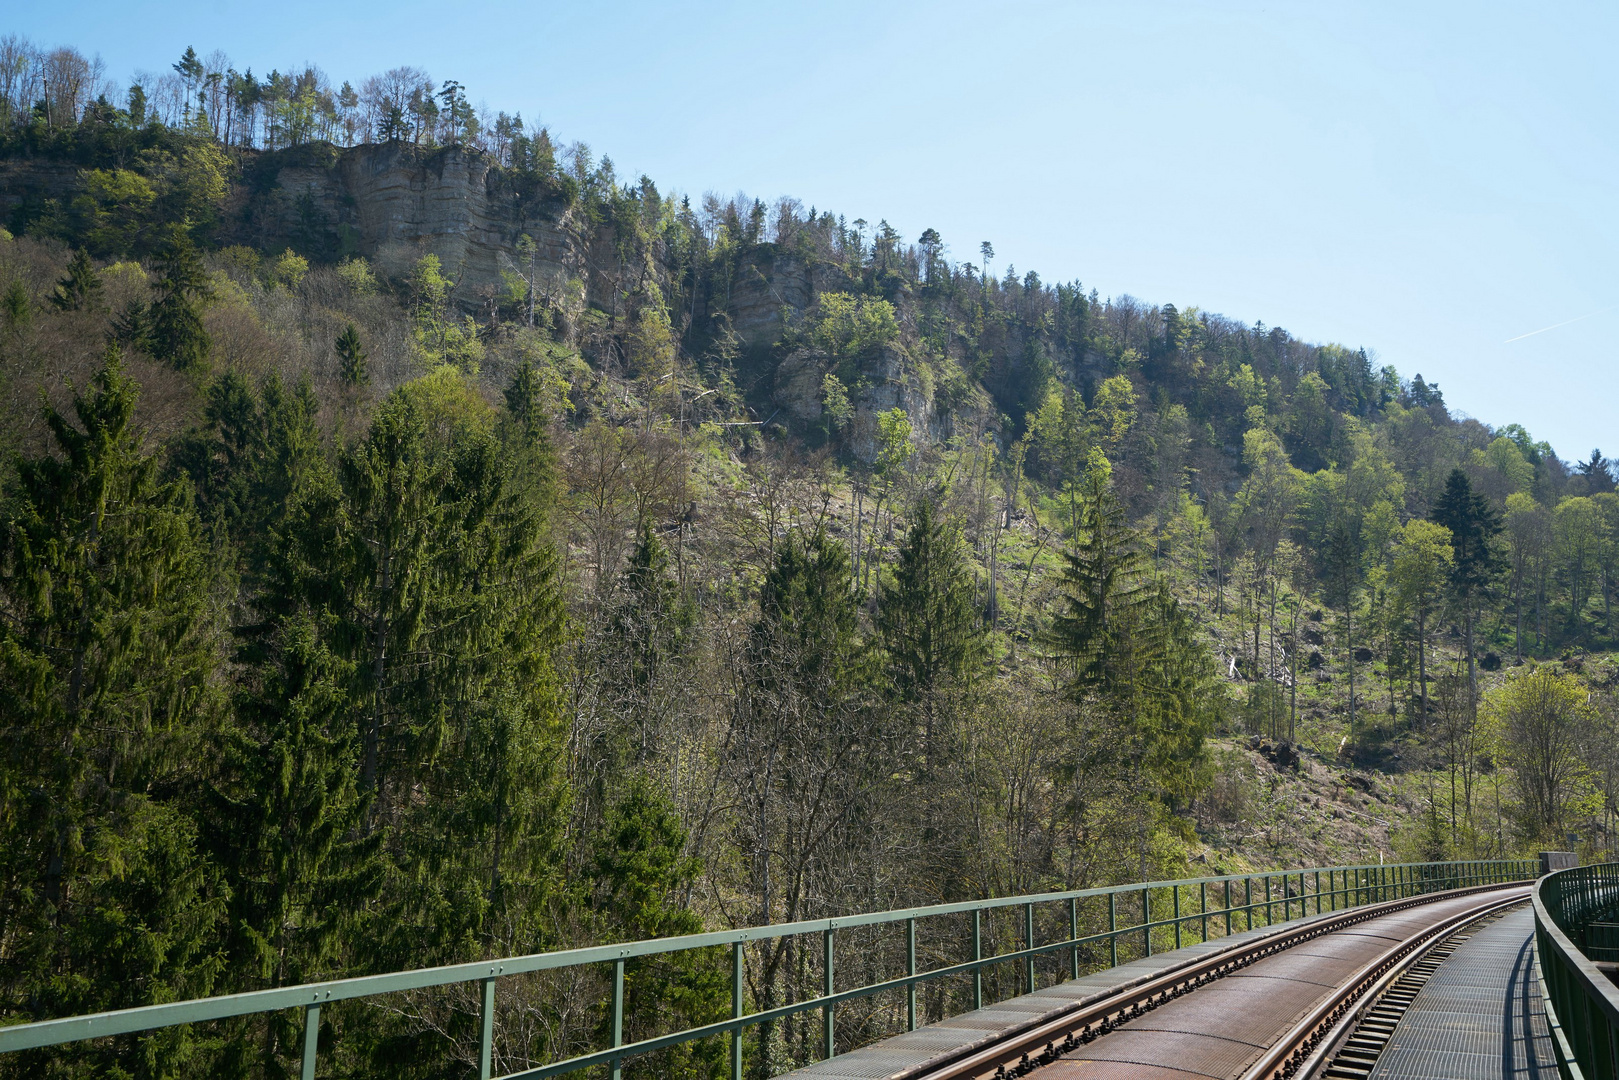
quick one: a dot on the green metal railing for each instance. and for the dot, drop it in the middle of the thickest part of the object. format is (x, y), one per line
(1139, 918)
(1574, 912)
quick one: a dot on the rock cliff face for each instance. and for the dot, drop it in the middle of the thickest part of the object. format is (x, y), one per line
(393, 204)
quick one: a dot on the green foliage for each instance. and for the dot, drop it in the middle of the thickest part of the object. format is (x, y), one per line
(173, 330)
(16, 306)
(351, 357)
(289, 270)
(106, 680)
(849, 328)
(81, 285)
(926, 617)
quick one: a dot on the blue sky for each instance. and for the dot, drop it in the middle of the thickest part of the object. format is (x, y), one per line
(1427, 181)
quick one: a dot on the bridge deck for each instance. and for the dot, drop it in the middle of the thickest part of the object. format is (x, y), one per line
(983, 1026)
(1221, 1029)
(1479, 1017)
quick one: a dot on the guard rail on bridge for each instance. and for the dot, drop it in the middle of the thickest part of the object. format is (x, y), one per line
(1139, 918)
(1574, 931)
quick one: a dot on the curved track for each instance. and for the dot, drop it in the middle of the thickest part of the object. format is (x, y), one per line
(1272, 1009)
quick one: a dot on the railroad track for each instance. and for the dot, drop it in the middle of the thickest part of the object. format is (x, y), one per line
(1301, 1041)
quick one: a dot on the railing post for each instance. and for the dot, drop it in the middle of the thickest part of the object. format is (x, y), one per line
(1177, 916)
(1203, 906)
(616, 1069)
(1225, 900)
(978, 954)
(1318, 892)
(1248, 902)
(1028, 942)
(311, 1040)
(1073, 935)
(486, 1036)
(736, 1009)
(1113, 928)
(910, 969)
(827, 1011)
(1270, 910)
(1146, 917)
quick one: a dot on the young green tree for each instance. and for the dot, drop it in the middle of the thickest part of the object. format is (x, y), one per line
(1543, 717)
(351, 357)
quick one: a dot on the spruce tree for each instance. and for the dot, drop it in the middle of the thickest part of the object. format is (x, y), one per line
(351, 357)
(107, 660)
(81, 286)
(1473, 525)
(174, 330)
(1107, 589)
(926, 620)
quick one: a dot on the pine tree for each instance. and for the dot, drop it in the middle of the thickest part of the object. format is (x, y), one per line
(174, 330)
(926, 620)
(1107, 589)
(16, 306)
(449, 607)
(351, 357)
(1473, 525)
(106, 667)
(81, 286)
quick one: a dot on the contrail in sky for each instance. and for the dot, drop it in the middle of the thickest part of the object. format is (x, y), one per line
(1554, 326)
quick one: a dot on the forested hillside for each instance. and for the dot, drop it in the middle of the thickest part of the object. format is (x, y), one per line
(421, 544)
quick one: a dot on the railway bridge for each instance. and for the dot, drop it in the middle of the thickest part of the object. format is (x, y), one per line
(1463, 970)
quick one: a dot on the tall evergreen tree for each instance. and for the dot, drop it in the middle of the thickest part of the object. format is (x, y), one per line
(174, 331)
(1107, 588)
(1473, 525)
(81, 285)
(926, 620)
(107, 655)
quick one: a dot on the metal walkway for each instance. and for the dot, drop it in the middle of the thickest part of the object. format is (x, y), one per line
(983, 1026)
(1479, 1017)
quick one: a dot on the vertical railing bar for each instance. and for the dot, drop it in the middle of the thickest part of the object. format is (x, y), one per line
(1146, 919)
(1177, 891)
(486, 1034)
(311, 1040)
(736, 1009)
(1073, 935)
(978, 954)
(910, 969)
(1203, 906)
(828, 1017)
(1113, 927)
(1028, 942)
(616, 1068)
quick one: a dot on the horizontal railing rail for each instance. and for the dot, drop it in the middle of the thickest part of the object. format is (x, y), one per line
(1582, 1003)
(1261, 896)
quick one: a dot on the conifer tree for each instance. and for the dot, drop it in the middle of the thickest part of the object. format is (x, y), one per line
(1473, 525)
(174, 330)
(107, 656)
(81, 286)
(926, 620)
(1107, 588)
(351, 357)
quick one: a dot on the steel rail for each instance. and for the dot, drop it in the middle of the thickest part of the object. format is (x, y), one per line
(1042, 1041)
(1310, 1043)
